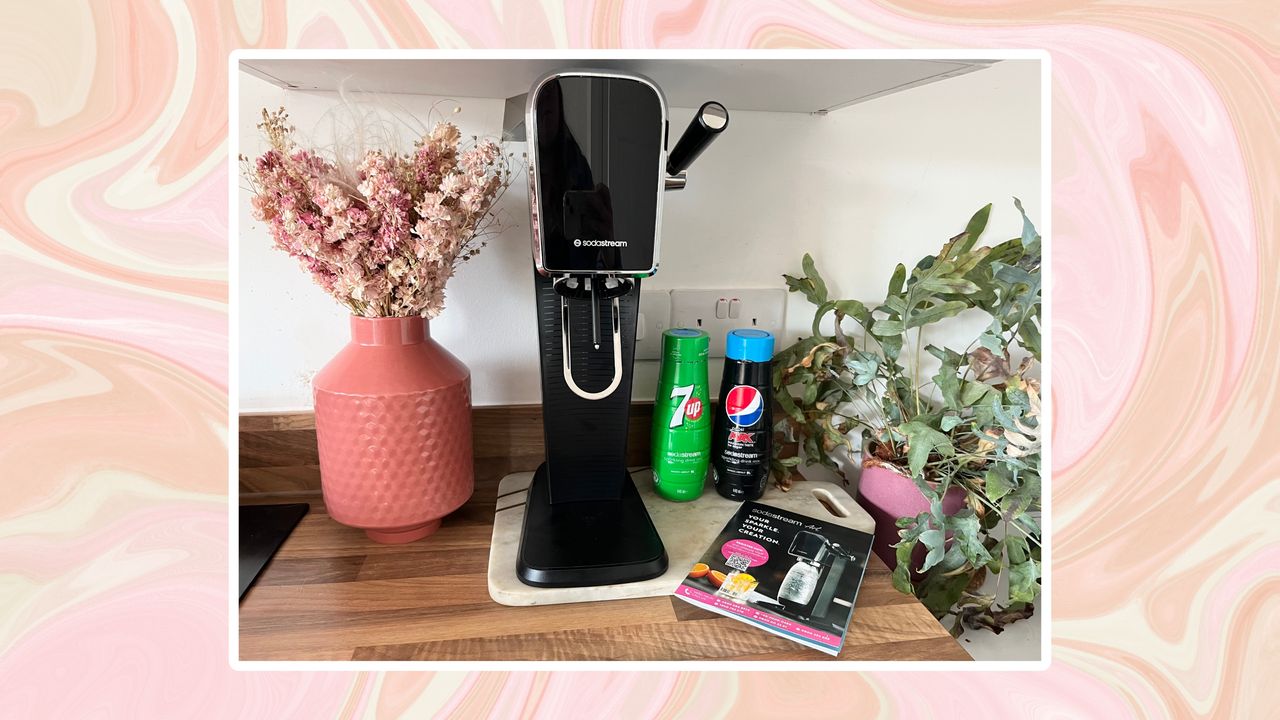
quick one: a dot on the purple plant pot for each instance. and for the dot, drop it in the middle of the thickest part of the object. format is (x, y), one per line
(888, 495)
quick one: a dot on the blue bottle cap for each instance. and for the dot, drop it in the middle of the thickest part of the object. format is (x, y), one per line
(748, 344)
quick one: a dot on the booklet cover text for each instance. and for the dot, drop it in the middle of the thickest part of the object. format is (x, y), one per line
(792, 575)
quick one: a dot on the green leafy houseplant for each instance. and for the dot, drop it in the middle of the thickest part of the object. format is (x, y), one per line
(975, 424)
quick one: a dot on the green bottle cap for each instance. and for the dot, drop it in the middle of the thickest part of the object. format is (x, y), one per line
(685, 345)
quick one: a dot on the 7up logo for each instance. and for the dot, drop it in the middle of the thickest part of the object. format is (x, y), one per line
(689, 406)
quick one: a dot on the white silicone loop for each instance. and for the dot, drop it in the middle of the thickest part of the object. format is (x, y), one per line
(565, 348)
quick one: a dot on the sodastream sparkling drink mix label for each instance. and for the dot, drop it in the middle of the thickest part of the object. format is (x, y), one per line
(682, 416)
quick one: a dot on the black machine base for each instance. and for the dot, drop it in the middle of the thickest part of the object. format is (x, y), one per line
(581, 544)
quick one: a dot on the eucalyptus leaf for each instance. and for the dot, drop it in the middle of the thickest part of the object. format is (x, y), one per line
(855, 310)
(1000, 413)
(902, 572)
(811, 285)
(945, 583)
(932, 494)
(896, 280)
(1029, 336)
(1028, 523)
(947, 356)
(938, 269)
(940, 592)
(1016, 388)
(948, 383)
(1016, 276)
(964, 530)
(819, 286)
(996, 550)
(949, 285)
(1008, 252)
(974, 229)
(972, 392)
(923, 440)
(810, 394)
(935, 313)
(887, 327)
(952, 561)
(822, 311)
(789, 405)
(810, 449)
(909, 536)
(983, 416)
(935, 541)
(913, 526)
(802, 376)
(991, 341)
(894, 305)
(1030, 236)
(801, 285)
(1025, 496)
(836, 437)
(966, 262)
(997, 483)
(865, 366)
(1022, 581)
(1017, 547)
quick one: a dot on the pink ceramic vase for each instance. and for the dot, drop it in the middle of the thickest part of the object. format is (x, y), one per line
(393, 424)
(887, 495)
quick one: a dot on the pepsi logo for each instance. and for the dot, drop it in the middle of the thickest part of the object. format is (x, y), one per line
(744, 405)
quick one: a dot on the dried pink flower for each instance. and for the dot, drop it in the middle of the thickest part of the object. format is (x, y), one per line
(385, 240)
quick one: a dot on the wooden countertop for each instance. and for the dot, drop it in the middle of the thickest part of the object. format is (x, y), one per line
(332, 594)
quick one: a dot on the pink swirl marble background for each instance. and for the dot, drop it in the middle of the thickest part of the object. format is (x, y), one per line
(113, 358)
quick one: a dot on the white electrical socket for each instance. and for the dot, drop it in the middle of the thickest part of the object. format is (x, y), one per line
(761, 309)
(655, 318)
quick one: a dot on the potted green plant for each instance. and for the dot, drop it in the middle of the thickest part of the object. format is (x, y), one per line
(951, 460)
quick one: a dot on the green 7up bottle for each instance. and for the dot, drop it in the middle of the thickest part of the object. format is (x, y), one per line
(682, 416)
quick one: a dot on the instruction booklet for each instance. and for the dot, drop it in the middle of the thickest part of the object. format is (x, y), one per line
(792, 575)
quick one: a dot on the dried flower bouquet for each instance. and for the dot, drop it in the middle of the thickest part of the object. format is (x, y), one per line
(382, 234)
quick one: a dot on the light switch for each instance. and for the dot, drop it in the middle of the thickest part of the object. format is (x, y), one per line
(718, 310)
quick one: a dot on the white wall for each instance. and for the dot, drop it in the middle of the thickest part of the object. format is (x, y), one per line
(862, 189)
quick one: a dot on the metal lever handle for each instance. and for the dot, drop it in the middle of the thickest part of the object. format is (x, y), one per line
(710, 120)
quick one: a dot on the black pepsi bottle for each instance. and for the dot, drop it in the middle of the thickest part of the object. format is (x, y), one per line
(742, 436)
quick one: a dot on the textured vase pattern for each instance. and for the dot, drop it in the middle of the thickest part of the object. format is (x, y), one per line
(393, 424)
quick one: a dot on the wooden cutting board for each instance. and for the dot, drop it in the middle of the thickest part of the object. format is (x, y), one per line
(686, 530)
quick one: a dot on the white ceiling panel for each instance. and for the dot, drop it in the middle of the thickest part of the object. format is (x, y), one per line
(771, 85)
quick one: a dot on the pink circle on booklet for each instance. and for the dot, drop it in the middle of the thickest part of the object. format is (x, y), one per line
(753, 552)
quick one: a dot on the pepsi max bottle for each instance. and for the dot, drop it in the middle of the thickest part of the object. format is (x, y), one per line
(742, 438)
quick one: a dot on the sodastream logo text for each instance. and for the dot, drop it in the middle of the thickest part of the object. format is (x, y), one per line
(579, 242)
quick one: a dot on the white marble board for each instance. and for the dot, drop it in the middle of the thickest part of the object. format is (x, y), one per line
(686, 530)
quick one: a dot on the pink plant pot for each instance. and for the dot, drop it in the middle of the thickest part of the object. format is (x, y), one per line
(887, 495)
(393, 425)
